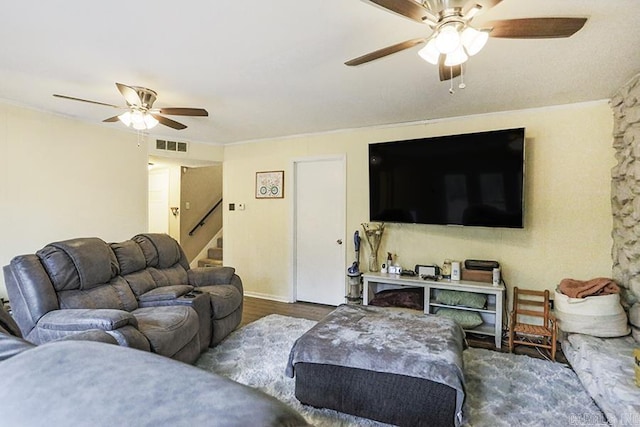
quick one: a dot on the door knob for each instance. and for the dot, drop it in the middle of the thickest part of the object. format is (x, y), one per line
(339, 241)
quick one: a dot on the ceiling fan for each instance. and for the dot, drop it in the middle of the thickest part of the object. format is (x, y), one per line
(140, 113)
(453, 39)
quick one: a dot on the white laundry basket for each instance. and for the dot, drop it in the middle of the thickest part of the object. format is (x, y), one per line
(600, 316)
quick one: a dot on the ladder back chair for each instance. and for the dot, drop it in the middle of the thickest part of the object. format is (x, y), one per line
(532, 323)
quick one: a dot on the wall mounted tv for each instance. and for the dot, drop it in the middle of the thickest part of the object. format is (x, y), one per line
(474, 179)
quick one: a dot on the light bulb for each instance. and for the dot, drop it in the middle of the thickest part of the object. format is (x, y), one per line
(150, 121)
(137, 118)
(430, 52)
(125, 118)
(474, 40)
(448, 39)
(456, 57)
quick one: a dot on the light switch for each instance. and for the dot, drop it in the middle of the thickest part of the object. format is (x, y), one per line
(240, 206)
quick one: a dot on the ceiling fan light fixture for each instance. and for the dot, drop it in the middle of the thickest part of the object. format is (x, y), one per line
(138, 120)
(150, 121)
(125, 118)
(456, 57)
(448, 39)
(474, 40)
(430, 52)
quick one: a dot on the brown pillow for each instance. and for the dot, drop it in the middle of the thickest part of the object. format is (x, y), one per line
(407, 298)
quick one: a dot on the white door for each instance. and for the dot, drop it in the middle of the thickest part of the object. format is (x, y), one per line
(159, 201)
(319, 230)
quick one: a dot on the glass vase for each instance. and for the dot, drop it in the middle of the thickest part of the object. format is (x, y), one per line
(373, 262)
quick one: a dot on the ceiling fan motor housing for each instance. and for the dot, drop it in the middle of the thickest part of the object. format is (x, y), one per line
(147, 97)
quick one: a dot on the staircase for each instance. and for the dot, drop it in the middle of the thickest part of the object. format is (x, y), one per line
(214, 256)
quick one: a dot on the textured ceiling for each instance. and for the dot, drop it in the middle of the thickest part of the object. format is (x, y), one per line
(275, 68)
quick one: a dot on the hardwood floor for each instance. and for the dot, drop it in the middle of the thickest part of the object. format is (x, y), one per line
(256, 308)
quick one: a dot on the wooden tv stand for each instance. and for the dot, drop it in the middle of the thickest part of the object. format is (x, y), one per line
(492, 314)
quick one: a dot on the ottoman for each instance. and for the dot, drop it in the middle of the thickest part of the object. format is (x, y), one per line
(384, 364)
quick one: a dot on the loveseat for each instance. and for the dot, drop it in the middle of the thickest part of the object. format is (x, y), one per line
(141, 291)
(75, 382)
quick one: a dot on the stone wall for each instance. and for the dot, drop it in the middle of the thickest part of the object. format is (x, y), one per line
(625, 190)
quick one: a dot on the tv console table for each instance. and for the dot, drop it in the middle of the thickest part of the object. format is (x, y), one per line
(491, 315)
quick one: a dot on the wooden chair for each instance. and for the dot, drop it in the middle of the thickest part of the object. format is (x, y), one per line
(542, 324)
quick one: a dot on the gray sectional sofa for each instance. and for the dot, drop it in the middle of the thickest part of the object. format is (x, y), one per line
(140, 291)
(79, 383)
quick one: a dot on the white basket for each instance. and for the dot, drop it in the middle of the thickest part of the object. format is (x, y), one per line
(600, 316)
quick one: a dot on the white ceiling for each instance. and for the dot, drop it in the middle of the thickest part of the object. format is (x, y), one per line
(276, 67)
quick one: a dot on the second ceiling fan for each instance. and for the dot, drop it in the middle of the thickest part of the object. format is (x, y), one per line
(453, 38)
(140, 113)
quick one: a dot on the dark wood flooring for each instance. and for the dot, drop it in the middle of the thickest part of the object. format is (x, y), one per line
(256, 308)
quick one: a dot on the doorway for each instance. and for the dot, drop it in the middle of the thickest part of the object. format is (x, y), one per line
(319, 230)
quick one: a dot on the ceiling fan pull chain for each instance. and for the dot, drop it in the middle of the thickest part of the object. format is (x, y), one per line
(462, 84)
(451, 91)
(141, 136)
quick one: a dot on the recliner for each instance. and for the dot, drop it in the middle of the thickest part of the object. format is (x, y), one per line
(141, 291)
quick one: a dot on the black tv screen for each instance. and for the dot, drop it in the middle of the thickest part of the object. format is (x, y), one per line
(474, 179)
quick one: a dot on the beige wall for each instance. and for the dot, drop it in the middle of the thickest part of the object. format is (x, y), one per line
(568, 213)
(61, 179)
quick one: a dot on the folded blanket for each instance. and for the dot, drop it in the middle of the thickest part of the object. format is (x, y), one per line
(580, 289)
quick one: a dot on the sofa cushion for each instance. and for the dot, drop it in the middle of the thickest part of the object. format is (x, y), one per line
(160, 250)
(225, 299)
(175, 275)
(129, 256)
(82, 263)
(168, 328)
(140, 282)
(115, 294)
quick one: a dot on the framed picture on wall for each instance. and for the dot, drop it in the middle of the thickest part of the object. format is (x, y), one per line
(270, 185)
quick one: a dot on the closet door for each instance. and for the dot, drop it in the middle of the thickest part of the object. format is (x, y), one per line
(319, 230)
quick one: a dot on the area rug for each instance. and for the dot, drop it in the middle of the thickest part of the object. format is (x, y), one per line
(502, 389)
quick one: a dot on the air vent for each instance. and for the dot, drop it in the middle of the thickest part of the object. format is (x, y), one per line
(180, 147)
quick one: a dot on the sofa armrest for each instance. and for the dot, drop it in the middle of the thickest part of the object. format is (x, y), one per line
(75, 320)
(94, 335)
(207, 276)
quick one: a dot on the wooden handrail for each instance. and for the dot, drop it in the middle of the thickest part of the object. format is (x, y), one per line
(204, 218)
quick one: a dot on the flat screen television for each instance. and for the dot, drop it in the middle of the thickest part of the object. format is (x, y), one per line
(474, 179)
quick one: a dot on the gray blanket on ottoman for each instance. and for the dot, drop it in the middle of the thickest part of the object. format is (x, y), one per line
(391, 341)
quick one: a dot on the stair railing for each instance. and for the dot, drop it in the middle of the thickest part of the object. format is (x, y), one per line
(204, 218)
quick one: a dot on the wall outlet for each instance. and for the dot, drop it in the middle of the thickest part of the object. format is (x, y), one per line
(551, 304)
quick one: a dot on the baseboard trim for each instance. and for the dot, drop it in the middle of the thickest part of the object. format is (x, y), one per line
(267, 297)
